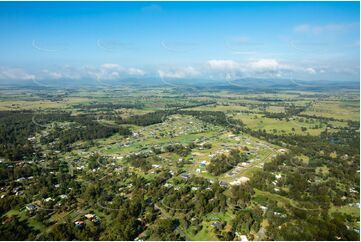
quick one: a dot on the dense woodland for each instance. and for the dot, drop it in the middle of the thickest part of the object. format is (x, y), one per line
(17, 127)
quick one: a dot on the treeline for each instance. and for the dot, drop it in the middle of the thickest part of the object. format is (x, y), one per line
(144, 119)
(17, 129)
(290, 111)
(213, 117)
(326, 118)
(107, 106)
(86, 129)
(159, 116)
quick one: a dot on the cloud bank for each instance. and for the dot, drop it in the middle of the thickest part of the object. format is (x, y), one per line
(107, 71)
(213, 69)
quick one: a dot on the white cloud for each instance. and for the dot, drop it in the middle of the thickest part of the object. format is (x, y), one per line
(231, 69)
(222, 65)
(214, 69)
(311, 70)
(264, 64)
(53, 74)
(102, 72)
(230, 65)
(185, 72)
(261, 68)
(110, 66)
(135, 72)
(7, 73)
(110, 71)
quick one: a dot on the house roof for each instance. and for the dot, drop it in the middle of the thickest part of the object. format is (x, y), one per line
(30, 206)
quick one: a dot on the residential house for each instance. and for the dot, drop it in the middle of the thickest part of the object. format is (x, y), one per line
(217, 225)
(30, 207)
(223, 184)
(185, 176)
(80, 224)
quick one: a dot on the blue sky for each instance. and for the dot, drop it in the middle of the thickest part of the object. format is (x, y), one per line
(78, 40)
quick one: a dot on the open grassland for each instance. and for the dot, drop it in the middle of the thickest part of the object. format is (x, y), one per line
(291, 126)
(41, 104)
(336, 109)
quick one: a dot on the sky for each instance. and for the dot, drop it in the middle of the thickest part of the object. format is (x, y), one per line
(179, 40)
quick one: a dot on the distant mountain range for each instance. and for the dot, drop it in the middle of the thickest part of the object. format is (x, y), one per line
(244, 84)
